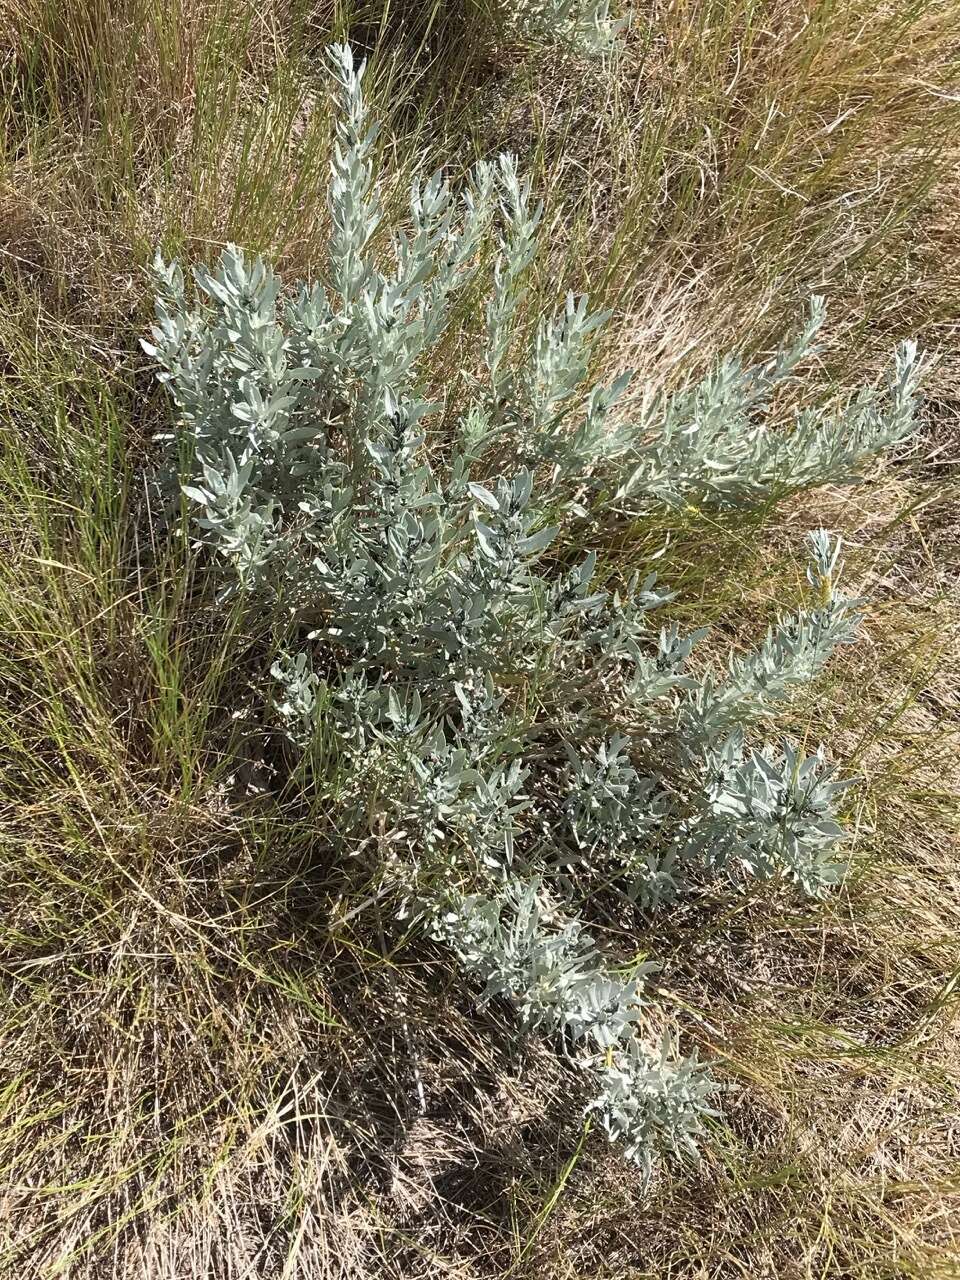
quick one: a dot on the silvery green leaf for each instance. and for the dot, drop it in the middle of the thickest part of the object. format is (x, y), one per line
(486, 538)
(483, 495)
(538, 541)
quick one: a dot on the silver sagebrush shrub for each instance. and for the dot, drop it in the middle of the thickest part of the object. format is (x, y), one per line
(517, 735)
(584, 27)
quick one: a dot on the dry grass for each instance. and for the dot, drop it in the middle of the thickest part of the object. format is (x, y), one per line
(221, 1055)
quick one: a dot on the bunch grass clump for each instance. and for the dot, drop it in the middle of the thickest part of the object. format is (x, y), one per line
(514, 738)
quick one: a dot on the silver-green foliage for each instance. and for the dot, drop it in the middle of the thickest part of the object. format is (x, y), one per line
(584, 27)
(647, 1098)
(512, 735)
